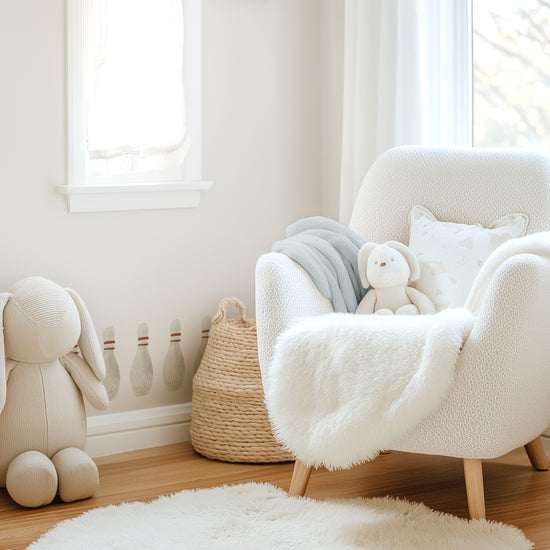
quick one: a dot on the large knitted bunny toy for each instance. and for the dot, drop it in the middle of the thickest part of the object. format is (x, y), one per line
(42, 415)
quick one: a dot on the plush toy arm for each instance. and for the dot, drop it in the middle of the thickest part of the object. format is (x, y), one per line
(10, 365)
(367, 303)
(420, 300)
(92, 388)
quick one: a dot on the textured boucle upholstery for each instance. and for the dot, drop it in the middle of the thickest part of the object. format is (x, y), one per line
(284, 291)
(458, 185)
(501, 396)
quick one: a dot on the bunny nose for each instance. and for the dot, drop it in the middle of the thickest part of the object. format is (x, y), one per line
(382, 264)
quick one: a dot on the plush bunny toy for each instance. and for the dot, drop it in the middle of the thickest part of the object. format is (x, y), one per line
(42, 415)
(388, 268)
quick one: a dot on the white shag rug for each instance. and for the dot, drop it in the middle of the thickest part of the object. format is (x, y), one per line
(260, 516)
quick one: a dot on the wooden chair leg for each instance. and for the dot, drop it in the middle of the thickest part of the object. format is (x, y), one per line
(300, 478)
(537, 457)
(473, 475)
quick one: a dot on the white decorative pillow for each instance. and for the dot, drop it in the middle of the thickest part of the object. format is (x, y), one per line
(451, 254)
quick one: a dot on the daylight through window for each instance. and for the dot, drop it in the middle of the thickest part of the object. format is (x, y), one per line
(511, 80)
(135, 115)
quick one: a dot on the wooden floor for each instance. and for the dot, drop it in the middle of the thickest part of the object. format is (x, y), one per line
(515, 493)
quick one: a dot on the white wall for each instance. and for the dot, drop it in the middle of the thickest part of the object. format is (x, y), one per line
(332, 79)
(261, 148)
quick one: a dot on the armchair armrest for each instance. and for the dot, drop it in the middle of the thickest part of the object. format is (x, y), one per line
(511, 343)
(538, 244)
(501, 396)
(284, 291)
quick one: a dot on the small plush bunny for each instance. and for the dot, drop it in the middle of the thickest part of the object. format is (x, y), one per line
(42, 415)
(388, 268)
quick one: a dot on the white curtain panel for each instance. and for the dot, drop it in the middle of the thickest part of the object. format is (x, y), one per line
(134, 87)
(406, 81)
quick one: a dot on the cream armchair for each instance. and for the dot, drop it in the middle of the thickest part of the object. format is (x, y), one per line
(501, 396)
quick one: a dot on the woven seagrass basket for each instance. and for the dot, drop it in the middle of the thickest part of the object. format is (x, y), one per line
(229, 419)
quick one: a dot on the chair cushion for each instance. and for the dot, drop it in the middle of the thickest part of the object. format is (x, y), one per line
(451, 254)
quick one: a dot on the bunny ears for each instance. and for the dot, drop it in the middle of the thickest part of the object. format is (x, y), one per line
(88, 342)
(4, 297)
(404, 250)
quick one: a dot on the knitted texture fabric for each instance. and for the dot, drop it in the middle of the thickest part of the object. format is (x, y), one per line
(43, 414)
(328, 251)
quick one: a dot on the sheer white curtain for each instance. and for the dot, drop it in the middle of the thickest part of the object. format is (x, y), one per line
(134, 86)
(405, 81)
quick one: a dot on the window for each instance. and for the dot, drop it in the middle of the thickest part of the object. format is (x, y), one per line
(134, 104)
(511, 73)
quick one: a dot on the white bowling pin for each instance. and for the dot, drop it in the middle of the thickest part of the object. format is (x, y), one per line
(173, 369)
(141, 372)
(112, 377)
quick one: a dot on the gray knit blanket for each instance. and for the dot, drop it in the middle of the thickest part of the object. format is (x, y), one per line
(327, 250)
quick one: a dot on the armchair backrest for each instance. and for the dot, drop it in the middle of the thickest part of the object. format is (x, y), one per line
(462, 185)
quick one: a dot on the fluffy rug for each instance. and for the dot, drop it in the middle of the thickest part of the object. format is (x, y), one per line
(260, 516)
(341, 388)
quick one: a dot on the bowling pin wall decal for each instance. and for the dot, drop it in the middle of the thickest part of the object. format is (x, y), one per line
(173, 369)
(141, 372)
(206, 324)
(112, 378)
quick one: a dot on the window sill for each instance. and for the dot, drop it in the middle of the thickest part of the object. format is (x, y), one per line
(143, 196)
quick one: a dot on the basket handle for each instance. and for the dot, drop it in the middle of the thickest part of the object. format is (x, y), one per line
(222, 309)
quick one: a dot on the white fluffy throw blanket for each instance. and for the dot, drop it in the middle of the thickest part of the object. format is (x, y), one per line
(343, 387)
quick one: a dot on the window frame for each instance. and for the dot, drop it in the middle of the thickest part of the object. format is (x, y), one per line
(459, 18)
(451, 57)
(178, 187)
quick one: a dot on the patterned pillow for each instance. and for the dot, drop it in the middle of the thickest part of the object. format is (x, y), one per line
(451, 254)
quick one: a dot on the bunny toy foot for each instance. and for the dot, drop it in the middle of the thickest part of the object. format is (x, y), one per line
(31, 479)
(78, 474)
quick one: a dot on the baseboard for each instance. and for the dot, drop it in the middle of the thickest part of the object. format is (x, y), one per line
(140, 429)
(115, 433)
